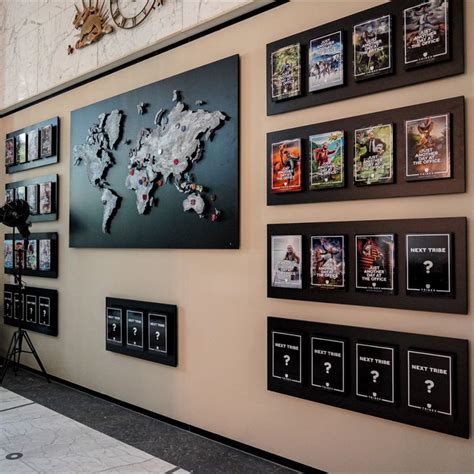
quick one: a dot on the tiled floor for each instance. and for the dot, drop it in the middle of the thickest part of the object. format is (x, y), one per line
(88, 434)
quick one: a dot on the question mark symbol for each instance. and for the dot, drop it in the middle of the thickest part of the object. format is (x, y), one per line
(157, 335)
(287, 359)
(328, 366)
(375, 375)
(114, 326)
(135, 331)
(429, 265)
(429, 385)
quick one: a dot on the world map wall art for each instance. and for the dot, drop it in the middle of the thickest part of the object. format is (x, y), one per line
(158, 167)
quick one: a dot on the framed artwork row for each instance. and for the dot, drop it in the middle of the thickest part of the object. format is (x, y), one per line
(416, 264)
(37, 309)
(409, 378)
(396, 44)
(32, 147)
(140, 329)
(40, 193)
(410, 151)
(40, 254)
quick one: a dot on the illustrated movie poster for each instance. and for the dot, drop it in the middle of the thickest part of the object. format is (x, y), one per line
(326, 66)
(428, 150)
(327, 261)
(45, 254)
(375, 262)
(373, 155)
(46, 203)
(9, 194)
(428, 263)
(327, 160)
(426, 32)
(286, 261)
(21, 193)
(46, 141)
(32, 255)
(373, 48)
(8, 253)
(286, 72)
(286, 166)
(19, 254)
(21, 148)
(32, 195)
(33, 145)
(9, 151)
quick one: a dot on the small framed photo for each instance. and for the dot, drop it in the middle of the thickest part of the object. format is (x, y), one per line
(21, 148)
(326, 62)
(32, 255)
(372, 42)
(426, 33)
(47, 144)
(21, 193)
(46, 198)
(44, 250)
(32, 195)
(373, 155)
(328, 261)
(428, 148)
(286, 261)
(286, 166)
(327, 160)
(10, 151)
(286, 72)
(33, 145)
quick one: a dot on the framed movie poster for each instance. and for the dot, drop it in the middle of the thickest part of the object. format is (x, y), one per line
(328, 262)
(135, 329)
(286, 72)
(44, 311)
(31, 309)
(287, 357)
(426, 32)
(33, 145)
(18, 306)
(375, 372)
(430, 382)
(8, 304)
(286, 256)
(375, 262)
(286, 166)
(8, 253)
(114, 325)
(32, 195)
(10, 151)
(45, 255)
(21, 193)
(326, 62)
(32, 255)
(157, 332)
(372, 42)
(19, 254)
(47, 141)
(46, 198)
(428, 148)
(328, 364)
(327, 160)
(428, 263)
(21, 148)
(10, 194)
(373, 155)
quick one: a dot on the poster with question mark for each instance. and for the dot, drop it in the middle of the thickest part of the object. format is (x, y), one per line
(375, 372)
(430, 382)
(31, 308)
(135, 329)
(44, 310)
(114, 325)
(429, 263)
(157, 333)
(328, 364)
(286, 356)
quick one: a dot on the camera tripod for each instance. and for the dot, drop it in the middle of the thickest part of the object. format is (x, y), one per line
(20, 337)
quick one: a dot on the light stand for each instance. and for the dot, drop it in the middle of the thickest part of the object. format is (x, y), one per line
(13, 214)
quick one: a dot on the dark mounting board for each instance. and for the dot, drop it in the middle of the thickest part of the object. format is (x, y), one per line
(401, 187)
(166, 225)
(401, 76)
(55, 196)
(457, 226)
(170, 357)
(51, 297)
(53, 273)
(51, 160)
(457, 424)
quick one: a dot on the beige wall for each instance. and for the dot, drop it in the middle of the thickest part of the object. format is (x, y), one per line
(220, 384)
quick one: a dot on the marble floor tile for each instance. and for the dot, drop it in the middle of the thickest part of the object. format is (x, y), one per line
(9, 400)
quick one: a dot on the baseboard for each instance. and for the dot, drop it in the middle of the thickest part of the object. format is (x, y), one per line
(275, 458)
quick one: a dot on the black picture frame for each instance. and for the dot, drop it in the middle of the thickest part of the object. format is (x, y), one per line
(33, 324)
(456, 424)
(401, 76)
(170, 357)
(400, 187)
(40, 162)
(54, 180)
(455, 303)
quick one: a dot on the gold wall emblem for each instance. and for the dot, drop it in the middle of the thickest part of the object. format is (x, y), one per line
(92, 23)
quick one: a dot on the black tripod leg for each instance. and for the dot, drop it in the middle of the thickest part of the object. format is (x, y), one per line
(8, 357)
(16, 364)
(36, 356)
